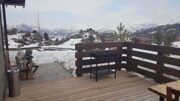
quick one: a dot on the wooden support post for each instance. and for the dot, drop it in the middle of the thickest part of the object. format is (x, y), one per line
(7, 64)
(2, 67)
(79, 71)
(129, 57)
(160, 64)
(118, 58)
(161, 98)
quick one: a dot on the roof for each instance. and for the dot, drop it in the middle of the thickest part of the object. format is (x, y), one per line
(15, 2)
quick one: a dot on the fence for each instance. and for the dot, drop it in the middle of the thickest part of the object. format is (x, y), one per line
(157, 62)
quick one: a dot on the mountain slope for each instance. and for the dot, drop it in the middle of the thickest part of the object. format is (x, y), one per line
(175, 28)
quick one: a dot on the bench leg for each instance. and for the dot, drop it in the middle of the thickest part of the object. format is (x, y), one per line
(161, 98)
(36, 67)
(115, 75)
(27, 75)
(20, 76)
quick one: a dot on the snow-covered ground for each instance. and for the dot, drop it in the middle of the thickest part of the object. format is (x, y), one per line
(176, 44)
(42, 57)
(13, 44)
(55, 53)
(67, 45)
(50, 56)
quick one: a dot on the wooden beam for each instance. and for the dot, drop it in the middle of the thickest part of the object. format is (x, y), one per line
(2, 67)
(15, 2)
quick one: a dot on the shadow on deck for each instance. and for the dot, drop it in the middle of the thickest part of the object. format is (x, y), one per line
(126, 87)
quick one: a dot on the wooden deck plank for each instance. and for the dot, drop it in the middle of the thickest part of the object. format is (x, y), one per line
(126, 87)
(96, 91)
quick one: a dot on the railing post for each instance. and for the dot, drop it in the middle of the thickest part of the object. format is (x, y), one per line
(129, 56)
(118, 62)
(79, 71)
(160, 64)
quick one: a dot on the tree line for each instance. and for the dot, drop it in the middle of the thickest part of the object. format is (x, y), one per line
(121, 34)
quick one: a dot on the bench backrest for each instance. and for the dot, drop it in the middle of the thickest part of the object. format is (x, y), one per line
(20, 64)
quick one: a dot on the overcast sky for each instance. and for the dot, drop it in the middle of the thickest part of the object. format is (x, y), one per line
(78, 14)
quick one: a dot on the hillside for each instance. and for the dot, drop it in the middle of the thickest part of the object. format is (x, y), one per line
(20, 28)
(173, 28)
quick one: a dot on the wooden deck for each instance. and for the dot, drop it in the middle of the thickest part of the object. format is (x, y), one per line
(126, 87)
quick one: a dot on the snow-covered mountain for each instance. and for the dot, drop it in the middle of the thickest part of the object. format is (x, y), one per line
(105, 30)
(63, 32)
(133, 28)
(138, 27)
(22, 27)
(173, 28)
(51, 32)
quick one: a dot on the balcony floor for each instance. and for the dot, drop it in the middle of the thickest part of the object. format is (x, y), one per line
(126, 87)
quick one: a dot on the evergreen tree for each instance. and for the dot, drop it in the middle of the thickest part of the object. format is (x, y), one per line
(81, 31)
(46, 36)
(122, 34)
(34, 31)
(13, 31)
(158, 38)
(169, 38)
(56, 41)
(91, 38)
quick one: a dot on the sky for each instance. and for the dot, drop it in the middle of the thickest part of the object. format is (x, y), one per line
(97, 14)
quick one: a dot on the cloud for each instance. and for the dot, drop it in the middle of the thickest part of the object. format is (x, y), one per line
(95, 13)
(68, 6)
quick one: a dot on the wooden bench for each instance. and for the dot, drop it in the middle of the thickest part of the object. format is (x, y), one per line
(170, 91)
(25, 69)
(173, 94)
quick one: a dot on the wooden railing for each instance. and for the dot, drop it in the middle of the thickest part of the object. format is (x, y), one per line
(157, 62)
(84, 61)
(15, 49)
